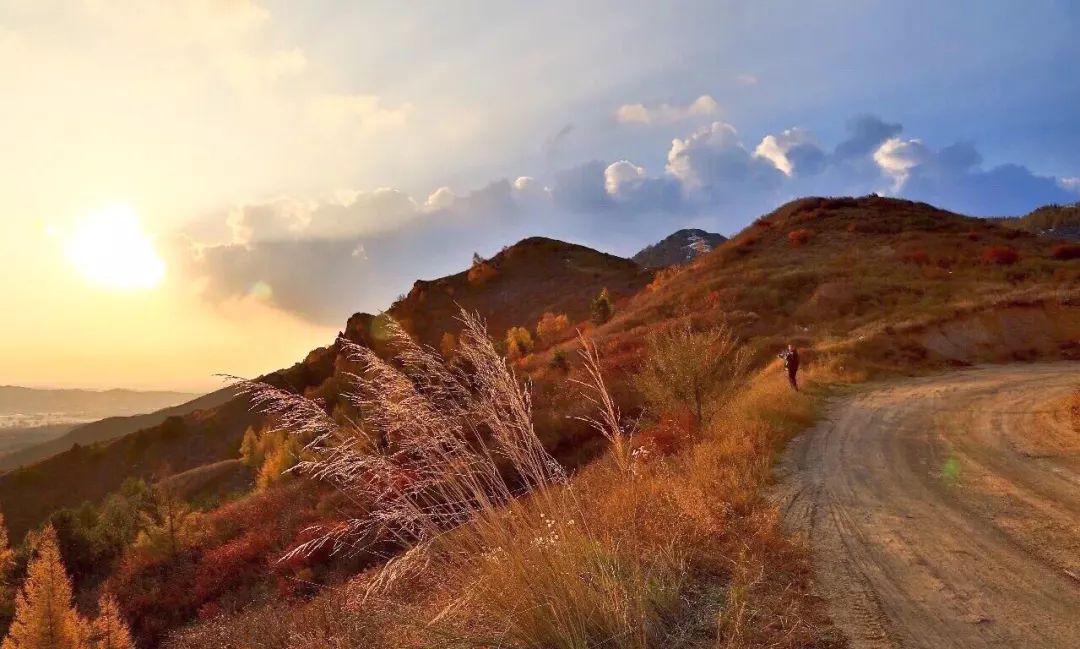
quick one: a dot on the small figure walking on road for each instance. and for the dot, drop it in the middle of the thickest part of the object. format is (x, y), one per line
(791, 363)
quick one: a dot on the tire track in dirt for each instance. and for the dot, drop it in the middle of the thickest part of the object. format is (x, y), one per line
(945, 511)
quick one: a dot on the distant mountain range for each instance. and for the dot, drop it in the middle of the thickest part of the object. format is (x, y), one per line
(106, 429)
(84, 404)
(678, 247)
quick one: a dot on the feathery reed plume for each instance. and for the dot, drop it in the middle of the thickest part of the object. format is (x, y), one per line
(608, 421)
(437, 445)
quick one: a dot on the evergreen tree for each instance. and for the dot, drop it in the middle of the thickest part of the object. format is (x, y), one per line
(109, 631)
(44, 615)
(602, 308)
(7, 561)
(251, 452)
(7, 565)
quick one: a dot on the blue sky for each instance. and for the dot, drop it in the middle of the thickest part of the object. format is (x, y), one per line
(291, 163)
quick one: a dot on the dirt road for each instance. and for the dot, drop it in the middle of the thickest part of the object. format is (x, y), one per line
(945, 511)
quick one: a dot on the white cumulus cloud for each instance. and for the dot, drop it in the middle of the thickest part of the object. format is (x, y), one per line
(703, 106)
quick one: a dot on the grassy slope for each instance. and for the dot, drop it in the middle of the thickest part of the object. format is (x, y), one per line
(868, 289)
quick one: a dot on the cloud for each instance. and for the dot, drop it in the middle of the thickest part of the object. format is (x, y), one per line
(714, 162)
(896, 158)
(1071, 184)
(358, 114)
(865, 134)
(322, 258)
(793, 152)
(346, 215)
(703, 106)
(746, 79)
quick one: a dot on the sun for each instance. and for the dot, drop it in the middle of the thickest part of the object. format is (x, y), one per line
(108, 248)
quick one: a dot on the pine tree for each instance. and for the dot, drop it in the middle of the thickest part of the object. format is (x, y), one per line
(7, 565)
(602, 308)
(251, 452)
(44, 615)
(109, 631)
(7, 561)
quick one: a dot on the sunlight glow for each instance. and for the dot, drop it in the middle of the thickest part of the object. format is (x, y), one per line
(109, 248)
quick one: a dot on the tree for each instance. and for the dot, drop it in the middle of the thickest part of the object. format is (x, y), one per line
(689, 369)
(519, 342)
(44, 615)
(7, 565)
(602, 308)
(7, 560)
(169, 526)
(282, 454)
(251, 451)
(108, 630)
(551, 325)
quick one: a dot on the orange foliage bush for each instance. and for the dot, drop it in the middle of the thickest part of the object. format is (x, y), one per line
(550, 325)
(1064, 251)
(663, 276)
(799, 237)
(1001, 255)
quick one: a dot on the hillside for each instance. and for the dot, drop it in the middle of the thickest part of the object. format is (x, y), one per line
(865, 286)
(678, 248)
(85, 404)
(1051, 220)
(106, 429)
(517, 286)
(13, 439)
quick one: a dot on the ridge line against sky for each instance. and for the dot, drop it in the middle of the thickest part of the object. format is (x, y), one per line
(224, 132)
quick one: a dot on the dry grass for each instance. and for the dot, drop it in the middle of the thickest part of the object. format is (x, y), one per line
(638, 550)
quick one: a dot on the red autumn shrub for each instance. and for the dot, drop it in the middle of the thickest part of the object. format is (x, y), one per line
(972, 235)
(763, 223)
(1064, 251)
(672, 432)
(799, 237)
(1001, 255)
(237, 562)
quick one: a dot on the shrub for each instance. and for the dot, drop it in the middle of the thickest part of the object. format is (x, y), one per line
(1000, 255)
(673, 431)
(1064, 251)
(602, 308)
(686, 369)
(550, 326)
(518, 342)
(559, 361)
(799, 237)
(664, 275)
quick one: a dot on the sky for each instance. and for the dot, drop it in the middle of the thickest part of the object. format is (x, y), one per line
(195, 187)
